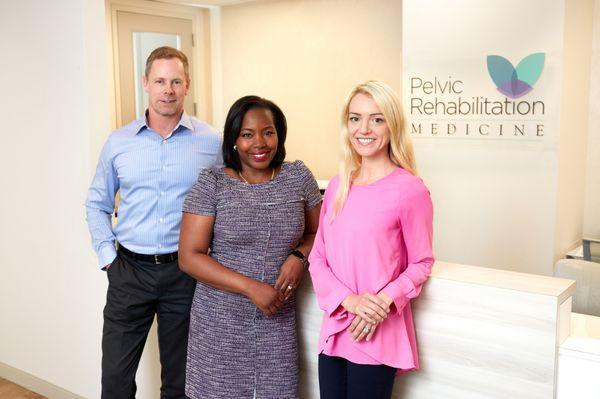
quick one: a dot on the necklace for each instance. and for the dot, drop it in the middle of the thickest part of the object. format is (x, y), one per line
(247, 182)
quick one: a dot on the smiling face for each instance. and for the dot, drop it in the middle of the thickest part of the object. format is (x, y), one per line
(167, 86)
(368, 131)
(257, 141)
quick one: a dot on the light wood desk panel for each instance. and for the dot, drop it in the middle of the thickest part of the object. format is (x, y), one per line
(482, 333)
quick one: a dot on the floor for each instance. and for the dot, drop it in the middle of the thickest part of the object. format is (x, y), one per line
(8, 390)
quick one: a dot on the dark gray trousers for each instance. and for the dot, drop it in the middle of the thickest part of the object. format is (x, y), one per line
(138, 290)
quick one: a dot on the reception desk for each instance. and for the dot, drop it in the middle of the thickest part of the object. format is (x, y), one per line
(482, 333)
(579, 360)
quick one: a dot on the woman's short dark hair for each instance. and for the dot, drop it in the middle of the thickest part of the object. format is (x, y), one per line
(233, 125)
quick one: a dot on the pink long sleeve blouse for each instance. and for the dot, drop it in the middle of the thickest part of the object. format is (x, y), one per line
(380, 241)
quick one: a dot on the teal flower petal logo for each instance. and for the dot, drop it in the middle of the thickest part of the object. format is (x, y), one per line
(515, 82)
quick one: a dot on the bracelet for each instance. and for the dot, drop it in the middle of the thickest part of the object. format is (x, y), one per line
(300, 256)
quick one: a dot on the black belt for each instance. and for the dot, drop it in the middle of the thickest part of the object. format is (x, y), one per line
(156, 259)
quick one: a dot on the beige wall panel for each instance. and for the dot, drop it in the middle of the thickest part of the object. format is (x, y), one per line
(573, 125)
(306, 55)
(591, 217)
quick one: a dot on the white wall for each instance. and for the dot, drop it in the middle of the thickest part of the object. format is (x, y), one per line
(505, 203)
(495, 199)
(54, 101)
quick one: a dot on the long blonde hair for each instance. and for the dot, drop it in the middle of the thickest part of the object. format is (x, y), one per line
(400, 148)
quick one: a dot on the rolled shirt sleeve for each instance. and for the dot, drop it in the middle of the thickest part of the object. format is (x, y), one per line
(100, 205)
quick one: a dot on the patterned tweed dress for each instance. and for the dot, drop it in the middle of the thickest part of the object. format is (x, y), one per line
(234, 350)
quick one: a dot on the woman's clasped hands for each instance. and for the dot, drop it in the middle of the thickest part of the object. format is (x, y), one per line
(370, 310)
(269, 299)
(265, 297)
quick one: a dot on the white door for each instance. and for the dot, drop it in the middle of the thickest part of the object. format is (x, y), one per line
(137, 35)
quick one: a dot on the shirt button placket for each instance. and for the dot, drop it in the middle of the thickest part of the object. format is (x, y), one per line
(161, 193)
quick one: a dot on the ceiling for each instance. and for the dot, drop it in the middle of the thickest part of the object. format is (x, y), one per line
(199, 3)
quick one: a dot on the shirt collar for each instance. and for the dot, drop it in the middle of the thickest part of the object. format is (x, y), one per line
(185, 121)
(142, 123)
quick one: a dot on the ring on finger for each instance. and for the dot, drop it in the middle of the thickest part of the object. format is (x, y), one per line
(290, 287)
(367, 329)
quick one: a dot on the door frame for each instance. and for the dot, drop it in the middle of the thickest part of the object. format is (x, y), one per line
(202, 56)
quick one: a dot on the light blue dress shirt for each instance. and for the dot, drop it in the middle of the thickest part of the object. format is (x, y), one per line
(153, 174)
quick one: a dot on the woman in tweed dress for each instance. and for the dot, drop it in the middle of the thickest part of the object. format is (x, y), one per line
(245, 234)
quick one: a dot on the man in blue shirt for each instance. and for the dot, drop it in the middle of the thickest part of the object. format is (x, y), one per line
(152, 162)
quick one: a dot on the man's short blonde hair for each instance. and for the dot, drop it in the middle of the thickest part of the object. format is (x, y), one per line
(167, 52)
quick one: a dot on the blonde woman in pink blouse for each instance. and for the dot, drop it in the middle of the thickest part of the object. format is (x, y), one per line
(372, 252)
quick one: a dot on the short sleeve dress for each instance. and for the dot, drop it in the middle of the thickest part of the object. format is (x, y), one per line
(234, 350)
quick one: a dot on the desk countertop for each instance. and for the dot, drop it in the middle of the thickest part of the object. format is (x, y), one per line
(531, 283)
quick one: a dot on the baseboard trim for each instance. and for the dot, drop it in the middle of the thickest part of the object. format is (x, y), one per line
(35, 384)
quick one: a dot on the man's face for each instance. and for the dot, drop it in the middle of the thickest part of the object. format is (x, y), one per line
(166, 86)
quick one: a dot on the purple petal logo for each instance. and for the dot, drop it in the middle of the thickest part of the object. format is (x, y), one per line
(515, 82)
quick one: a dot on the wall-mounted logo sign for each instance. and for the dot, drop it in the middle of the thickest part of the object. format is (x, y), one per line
(515, 82)
(460, 102)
